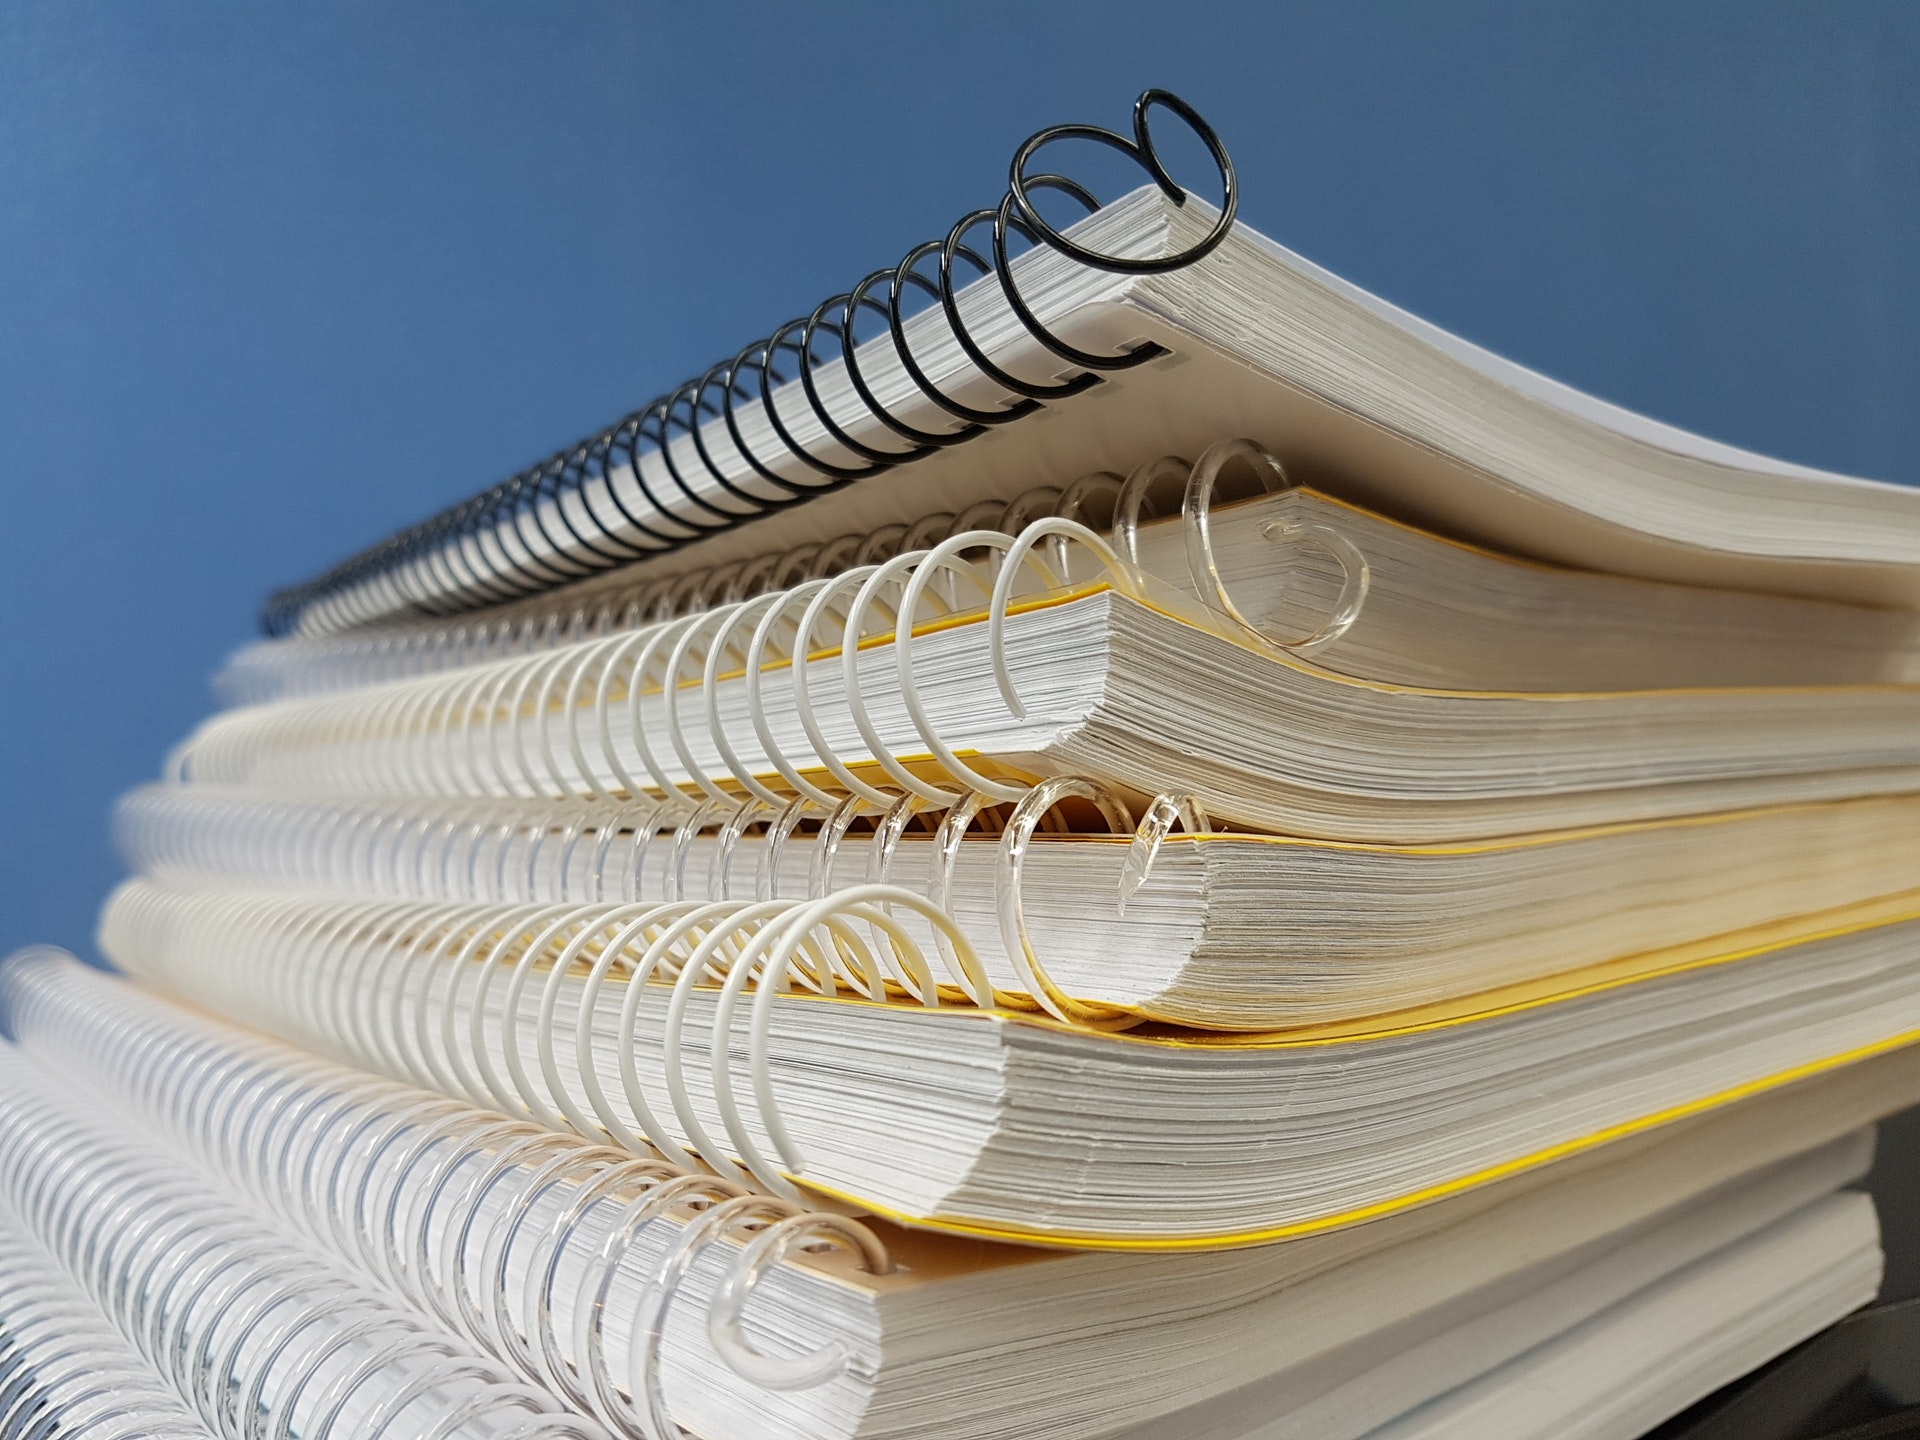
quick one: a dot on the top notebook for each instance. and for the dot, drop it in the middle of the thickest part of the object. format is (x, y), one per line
(1156, 324)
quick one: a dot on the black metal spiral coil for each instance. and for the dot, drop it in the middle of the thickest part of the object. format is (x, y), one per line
(589, 541)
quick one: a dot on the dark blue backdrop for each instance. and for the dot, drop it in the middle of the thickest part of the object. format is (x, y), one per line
(274, 279)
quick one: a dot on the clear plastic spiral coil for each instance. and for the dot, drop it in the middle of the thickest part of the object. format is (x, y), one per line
(656, 710)
(65, 1374)
(1109, 504)
(531, 1009)
(299, 665)
(258, 1337)
(755, 715)
(561, 1258)
(541, 852)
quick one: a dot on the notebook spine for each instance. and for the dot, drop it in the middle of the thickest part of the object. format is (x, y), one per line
(653, 716)
(565, 518)
(526, 1009)
(316, 664)
(539, 853)
(64, 1373)
(542, 728)
(241, 1326)
(305, 665)
(439, 1204)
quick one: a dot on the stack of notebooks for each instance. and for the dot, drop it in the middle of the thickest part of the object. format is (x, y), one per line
(1356, 895)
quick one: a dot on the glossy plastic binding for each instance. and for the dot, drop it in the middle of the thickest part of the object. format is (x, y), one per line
(64, 1373)
(561, 1258)
(606, 770)
(565, 518)
(256, 1334)
(302, 665)
(659, 715)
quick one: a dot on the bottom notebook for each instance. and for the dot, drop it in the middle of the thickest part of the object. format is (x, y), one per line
(1161, 1346)
(1607, 1371)
(1333, 1335)
(1652, 1356)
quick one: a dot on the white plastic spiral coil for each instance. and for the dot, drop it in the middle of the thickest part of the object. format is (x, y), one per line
(489, 1225)
(501, 1005)
(666, 711)
(65, 1374)
(258, 1337)
(315, 664)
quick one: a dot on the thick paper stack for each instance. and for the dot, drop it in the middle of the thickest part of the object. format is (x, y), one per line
(1241, 868)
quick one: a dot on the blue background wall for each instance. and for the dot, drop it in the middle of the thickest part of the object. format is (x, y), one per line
(275, 279)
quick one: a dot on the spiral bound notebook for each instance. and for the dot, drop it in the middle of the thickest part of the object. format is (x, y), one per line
(1435, 613)
(1389, 926)
(1019, 1125)
(245, 1325)
(1119, 678)
(62, 1365)
(600, 1274)
(1176, 326)
(1191, 942)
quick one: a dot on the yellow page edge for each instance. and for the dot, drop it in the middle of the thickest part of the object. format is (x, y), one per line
(1648, 966)
(1339, 1220)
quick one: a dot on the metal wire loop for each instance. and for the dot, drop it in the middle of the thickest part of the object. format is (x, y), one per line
(655, 480)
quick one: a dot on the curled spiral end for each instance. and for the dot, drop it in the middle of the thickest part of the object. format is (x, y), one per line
(1203, 567)
(1356, 580)
(725, 1314)
(1162, 815)
(1142, 151)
